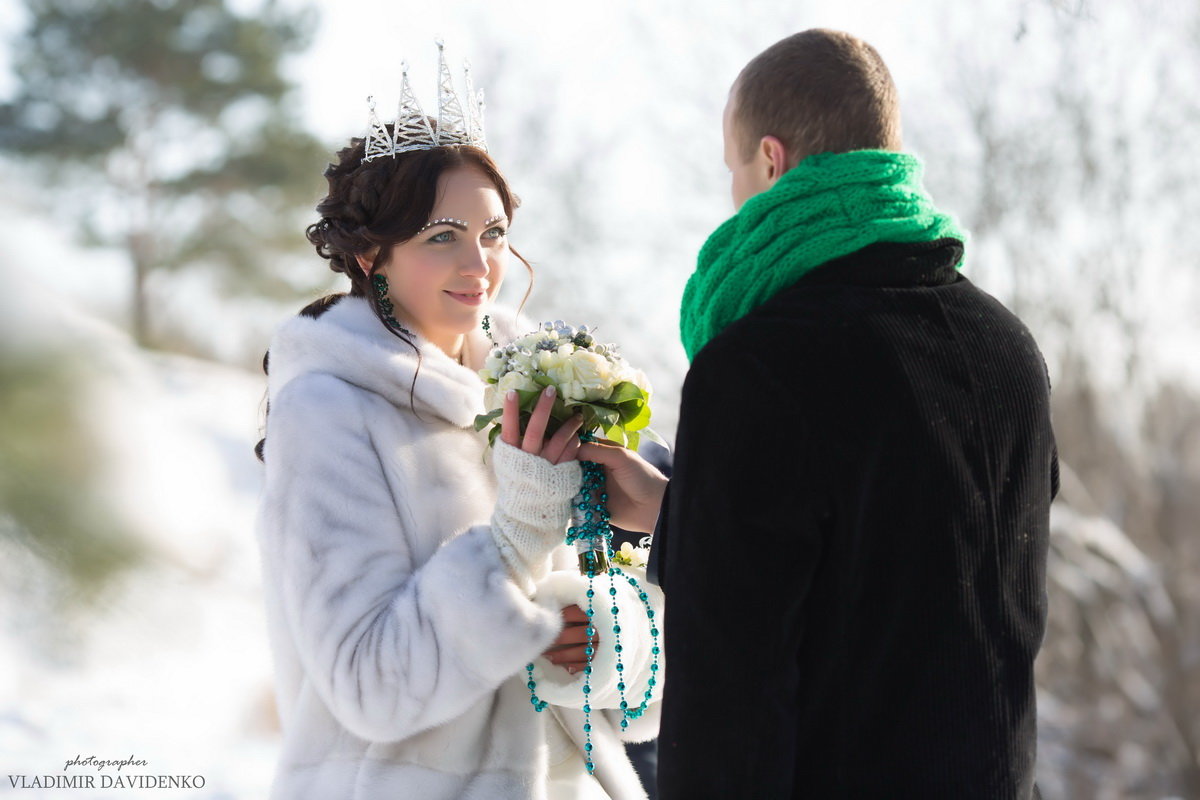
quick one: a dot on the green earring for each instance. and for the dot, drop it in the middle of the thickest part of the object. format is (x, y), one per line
(379, 281)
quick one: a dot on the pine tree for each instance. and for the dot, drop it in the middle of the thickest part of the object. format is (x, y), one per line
(172, 128)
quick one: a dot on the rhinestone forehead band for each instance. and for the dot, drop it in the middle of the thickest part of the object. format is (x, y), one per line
(462, 223)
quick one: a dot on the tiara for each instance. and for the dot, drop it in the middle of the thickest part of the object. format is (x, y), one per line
(411, 129)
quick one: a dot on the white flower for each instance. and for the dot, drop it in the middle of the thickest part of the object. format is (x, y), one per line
(631, 556)
(524, 361)
(637, 378)
(582, 376)
(516, 380)
(548, 360)
(493, 365)
(492, 399)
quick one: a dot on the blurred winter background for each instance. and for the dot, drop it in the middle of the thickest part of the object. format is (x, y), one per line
(160, 159)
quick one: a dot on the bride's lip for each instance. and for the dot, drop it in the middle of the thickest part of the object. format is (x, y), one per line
(468, 298)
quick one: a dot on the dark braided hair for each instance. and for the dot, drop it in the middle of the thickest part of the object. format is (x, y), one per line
(381, 203)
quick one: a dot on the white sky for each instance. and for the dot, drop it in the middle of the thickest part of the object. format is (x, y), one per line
(631, 91)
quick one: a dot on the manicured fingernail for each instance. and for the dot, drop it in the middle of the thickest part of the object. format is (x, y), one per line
(549, 392)
(511, 394)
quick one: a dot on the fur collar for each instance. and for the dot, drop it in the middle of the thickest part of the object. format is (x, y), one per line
(349, 342)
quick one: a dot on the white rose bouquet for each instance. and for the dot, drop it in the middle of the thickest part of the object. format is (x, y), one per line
(594, 381)
(590, 379)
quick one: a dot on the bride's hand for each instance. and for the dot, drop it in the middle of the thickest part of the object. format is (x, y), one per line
(568, 650)
(560, 447)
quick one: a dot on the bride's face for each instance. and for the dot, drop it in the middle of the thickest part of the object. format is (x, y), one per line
(443, 279)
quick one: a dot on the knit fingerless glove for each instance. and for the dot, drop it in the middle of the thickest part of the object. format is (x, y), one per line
(533, 506)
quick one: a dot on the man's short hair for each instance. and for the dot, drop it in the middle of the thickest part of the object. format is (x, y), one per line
(817, 91)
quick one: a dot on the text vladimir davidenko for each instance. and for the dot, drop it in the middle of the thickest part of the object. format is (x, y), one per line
(103, 781)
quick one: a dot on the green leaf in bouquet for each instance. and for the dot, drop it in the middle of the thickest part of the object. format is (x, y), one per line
(483, 420)
(528, 399)
(492, 434)
(624, 391)
(542, 380)
(616, 433)
(633, 440)
(606, 417)
(635, 416)
(561, 411)
(630, 409)
(650, 434)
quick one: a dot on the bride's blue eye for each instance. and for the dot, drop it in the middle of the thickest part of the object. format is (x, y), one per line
(495, 233)
(444, 236)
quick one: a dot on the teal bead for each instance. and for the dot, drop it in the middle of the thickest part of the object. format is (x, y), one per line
(591, 593)
(624, 705)
(621, 667)
(654, 667)
(587, 727)
(587, 746)
(650, 613)
(531, 685)
(587, 709)
(616, 629)
(654, 631)
(654, 650)
(621, 686)
(613, 591)
(624, 724)
(618, 648)
(652, 682)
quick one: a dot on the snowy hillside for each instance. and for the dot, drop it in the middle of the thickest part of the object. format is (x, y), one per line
(172, 667)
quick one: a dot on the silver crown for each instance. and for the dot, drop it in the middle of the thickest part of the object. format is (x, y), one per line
(412, 130)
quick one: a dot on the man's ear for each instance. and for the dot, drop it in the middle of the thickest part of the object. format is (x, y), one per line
(773, 154)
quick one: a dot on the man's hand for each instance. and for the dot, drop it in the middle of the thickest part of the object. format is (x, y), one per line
(568, 650)
(635, 487)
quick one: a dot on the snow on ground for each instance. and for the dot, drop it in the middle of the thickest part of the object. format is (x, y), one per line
(173, 668)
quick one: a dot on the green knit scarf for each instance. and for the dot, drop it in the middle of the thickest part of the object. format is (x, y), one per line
(828, 206)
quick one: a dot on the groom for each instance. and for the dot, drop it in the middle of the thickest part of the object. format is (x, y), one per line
(853, 543)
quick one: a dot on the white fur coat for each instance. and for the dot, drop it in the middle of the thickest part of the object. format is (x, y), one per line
(399, 637)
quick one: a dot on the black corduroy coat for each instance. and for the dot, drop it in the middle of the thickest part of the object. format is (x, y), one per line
(853, 544)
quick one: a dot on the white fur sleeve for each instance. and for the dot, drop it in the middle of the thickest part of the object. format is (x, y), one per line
(555, 685)
(392, 647)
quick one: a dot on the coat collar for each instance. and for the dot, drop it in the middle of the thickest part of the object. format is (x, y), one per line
(350, 343)
(892, 265)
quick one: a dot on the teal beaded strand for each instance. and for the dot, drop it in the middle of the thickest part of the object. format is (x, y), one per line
(592, 535)
(655, 652)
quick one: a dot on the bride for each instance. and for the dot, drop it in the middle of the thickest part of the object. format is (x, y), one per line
(409, 574)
